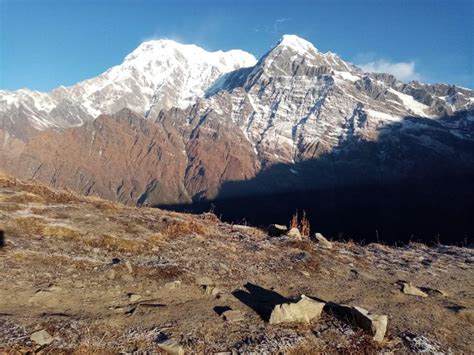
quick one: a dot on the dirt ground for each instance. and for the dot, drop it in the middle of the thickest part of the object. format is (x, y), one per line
(100, 277)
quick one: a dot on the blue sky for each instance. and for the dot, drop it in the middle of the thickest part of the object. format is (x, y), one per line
(44, 44)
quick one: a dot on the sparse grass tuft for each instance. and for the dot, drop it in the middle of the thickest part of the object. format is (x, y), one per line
(180, 228)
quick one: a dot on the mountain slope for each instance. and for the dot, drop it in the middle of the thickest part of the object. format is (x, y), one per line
(159, 74)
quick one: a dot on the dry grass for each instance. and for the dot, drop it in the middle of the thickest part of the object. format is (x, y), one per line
(117, 244)
(181, 228)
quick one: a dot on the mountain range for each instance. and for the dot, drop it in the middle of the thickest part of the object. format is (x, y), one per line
(177, 125)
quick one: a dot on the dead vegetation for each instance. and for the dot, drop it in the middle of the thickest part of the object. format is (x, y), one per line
(70, 266)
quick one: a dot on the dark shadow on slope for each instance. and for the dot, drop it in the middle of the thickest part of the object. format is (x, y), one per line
(392, 190)
(261, 300)
(2, 239)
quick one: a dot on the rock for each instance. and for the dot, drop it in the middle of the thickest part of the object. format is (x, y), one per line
(129, 267)
(375, 324)
(323, 241)
(409, 289)
(233, 316)
(134, 297)
(294, 233)
(172, 285)
(213, 291)
(41, 337)
(204, 281)
(276, 230)
(111, 274)
(171, 346)
(306, 273)
(305, 310)
(364, 274)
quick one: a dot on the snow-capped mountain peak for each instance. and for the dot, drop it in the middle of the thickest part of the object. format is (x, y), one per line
(157, 75)
(297, 44)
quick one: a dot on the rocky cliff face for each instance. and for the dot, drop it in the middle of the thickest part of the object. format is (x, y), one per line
(297, 119)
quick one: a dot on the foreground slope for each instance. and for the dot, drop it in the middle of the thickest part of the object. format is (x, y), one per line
(100, 276)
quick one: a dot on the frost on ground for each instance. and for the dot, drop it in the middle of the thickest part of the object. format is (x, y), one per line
(87, 275)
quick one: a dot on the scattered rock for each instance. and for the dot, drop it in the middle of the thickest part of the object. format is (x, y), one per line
(134, 297)
(409, 289)
(276, 230)
(233, 316)
(323, 241)
(305, 310)
(306, 273)
(374, 324)
(364, 274)
(294, 233)
(171, 346)
(172, 285)
(204, 281)
(111, 274)
(41, 337)
(213, 291)
(129, 267)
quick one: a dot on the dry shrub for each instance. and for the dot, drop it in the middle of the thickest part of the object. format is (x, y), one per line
(302, 224)
(118, 244)
(30, 225)
(180, 228)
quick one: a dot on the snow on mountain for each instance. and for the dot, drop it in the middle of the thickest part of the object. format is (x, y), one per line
(159, 74)
(297, 103)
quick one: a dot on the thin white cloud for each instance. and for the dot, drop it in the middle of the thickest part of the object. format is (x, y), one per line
(277, 27)
(404, 71)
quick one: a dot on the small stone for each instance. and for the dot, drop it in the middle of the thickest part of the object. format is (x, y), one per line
(276, 230)
(323, 241)
(306, 273)
(111, 274)
(409, 289)
(233, 316)
(305, 310)
(294, 233)
(171, 346)
(134, 297)
(41, 337)
(129, 267)
(204, 281)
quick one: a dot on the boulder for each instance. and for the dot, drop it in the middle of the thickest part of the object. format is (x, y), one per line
(304, 311)
(233, 316)
(41, 337)
(276, 230)
(323, 241)
(294, 233)
(409, 289)
(374, 324)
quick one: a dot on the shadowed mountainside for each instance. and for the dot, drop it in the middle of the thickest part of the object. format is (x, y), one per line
(393, 189)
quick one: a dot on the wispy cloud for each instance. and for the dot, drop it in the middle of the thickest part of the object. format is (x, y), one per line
(404, 71)
(277, 27)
